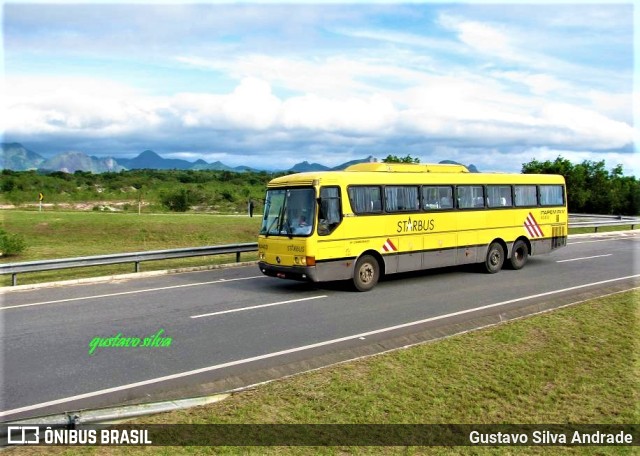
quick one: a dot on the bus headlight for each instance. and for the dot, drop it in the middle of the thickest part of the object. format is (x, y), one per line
(304, 260)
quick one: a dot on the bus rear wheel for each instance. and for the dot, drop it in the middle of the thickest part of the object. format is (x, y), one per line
(366, 273)
(519, 255)
(495, 258)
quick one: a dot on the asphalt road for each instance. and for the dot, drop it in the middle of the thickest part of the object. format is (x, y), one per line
(233, 327)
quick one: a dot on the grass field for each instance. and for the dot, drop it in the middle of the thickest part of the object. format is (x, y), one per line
(577, 365)
(56, 234)
(71, 234)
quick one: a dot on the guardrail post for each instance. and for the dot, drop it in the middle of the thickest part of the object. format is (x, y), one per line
(237, 257)
(14, 279)
(137, 267)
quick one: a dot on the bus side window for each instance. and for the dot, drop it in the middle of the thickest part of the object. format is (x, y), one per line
(330, 212)
(551, 195)
(525, 196)
(499, 196)
(365, 199)
(470, 196)
(401, 198)
(437, 197)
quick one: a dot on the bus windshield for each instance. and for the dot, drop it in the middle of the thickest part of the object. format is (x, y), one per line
(289, 212)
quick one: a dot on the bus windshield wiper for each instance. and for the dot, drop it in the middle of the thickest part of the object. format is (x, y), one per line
(288, 228)
(282, 214)
(271, 226)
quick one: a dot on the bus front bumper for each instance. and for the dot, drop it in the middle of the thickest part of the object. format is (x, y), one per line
(305, 273)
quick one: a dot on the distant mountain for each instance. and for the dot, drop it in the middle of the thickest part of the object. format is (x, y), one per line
(305, 167)
(369, 159)
(151, 160)
(217, 166)
(70, 162)
(245, 169)
(16, 157)
(472, 168)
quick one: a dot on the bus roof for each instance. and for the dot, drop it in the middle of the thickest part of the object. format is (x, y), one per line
(410, 174)
(407, 168)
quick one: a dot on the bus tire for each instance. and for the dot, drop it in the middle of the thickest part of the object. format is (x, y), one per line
(519, 254)
(366, 273)
(495, 258)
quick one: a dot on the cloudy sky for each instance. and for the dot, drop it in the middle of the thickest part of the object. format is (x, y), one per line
(270, 85)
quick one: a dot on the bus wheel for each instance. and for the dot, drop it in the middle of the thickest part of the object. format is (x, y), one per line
(519, 255)
(366, 273)
(495, 258)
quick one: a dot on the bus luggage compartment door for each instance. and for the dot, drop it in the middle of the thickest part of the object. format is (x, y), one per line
(410, 256)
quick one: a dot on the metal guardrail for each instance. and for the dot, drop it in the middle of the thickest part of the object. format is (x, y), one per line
(134, 257)
(595, 225)
(602, 216)
(137, 257)
(596, 220)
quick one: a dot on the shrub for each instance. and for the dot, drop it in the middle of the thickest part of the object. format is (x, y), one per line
(11, 244)
(182, 199)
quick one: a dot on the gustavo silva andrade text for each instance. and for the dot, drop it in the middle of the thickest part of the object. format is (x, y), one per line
(118, 341)
(550, 438)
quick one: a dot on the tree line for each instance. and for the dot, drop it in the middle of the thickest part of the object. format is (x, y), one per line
(161, 190)
(591, 188)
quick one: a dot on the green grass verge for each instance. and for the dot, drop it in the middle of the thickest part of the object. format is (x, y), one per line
(72, 234)
(601, 229)
(578, 365)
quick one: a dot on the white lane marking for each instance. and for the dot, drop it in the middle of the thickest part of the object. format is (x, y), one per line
(293, 350)
(259, 306)
(584, 258)
(146, 290)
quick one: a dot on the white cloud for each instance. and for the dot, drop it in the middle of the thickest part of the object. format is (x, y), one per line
(333, 75)
(618, 106)
(402, 38)
(342, 101)
(250, 106)
(586, 128)
(480, 110)
(84, 105)
(375, 114)
(481, 37)
(537, 83)
(468, 109)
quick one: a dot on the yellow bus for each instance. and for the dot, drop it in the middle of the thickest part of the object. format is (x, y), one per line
(375, 219)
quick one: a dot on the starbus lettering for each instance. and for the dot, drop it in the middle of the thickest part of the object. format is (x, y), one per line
(409, 225)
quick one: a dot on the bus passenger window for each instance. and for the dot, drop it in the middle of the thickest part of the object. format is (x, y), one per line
(551, 195)
(437, 198)
(499, 196)
(470, 196)
(525, 195)
(399, 199)
(365, 199)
